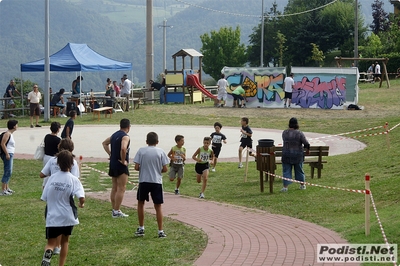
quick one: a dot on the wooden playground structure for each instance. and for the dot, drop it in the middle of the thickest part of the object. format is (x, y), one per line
(188, 79)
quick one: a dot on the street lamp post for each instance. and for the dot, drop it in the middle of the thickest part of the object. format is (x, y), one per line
(165, 26)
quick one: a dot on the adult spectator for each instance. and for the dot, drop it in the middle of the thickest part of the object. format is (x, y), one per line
(126, 90)
(288, 85)
(10, 90)
(294, 143)
(51, 142)
(76, 85)
(58, 100)
(116, 88)
(222, 94)
(159, 87)
(109, 87)
(8, 148)
(239, 94)
(117, 147)
(377, 73)
(34, 98)
(370, 71)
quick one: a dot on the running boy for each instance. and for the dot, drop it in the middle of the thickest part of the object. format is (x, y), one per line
(151, 162)
(202, 156)
(245, 140)
(177, 154)
(217, 139)
(61, 212)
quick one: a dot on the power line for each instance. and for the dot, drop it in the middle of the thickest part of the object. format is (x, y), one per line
(255, 16)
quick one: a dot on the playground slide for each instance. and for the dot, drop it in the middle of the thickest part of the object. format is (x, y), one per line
(192, 80)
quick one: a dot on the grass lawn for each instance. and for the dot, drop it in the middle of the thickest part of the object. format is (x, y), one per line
(95, 241)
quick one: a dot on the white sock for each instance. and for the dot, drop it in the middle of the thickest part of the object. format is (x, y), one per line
(160, 231)
(141, 227)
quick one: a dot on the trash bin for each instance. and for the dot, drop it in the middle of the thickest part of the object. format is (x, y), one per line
(265, 142)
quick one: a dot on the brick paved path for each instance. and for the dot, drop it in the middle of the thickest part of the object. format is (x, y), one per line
(243, 236)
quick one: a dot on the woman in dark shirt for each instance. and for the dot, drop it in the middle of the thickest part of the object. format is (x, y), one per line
(294, 143)
(51, 142)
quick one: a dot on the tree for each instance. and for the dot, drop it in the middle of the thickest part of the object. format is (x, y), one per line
(221, 49)
(317, 54)
(380, 20)
(328, 27)
(281, 40)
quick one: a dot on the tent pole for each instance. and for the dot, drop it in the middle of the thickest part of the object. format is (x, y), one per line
(80, 93)
(22, 97)
(46, 89)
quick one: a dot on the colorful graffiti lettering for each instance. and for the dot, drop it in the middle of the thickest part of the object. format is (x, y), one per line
(313, 88)
(270, 85)
(323, 94)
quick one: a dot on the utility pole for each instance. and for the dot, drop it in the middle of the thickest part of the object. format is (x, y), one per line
(149, 41)
(46, 63)
(262, 34)
(356, 34)
(165, 26)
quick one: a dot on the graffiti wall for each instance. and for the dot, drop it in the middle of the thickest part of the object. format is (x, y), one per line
(325, 88)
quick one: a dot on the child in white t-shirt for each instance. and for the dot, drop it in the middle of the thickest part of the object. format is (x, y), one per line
(61, 212)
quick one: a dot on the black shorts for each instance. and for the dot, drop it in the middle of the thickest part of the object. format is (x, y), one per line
(288, 95)
(216, 150)
(118, 172)
(245, 144)
(201, 167)
(377, 75)
(54, 232)
(155, 190)
(237, 97)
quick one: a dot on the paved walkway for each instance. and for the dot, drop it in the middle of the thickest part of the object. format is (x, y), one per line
(243, 236)
(236, 235)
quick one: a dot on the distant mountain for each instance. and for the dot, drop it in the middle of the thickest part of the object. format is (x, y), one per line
(116, 29)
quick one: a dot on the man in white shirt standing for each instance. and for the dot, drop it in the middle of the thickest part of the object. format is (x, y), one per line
(288, 85)
(222, 94)
(377, 73)
(34, 98)
(126, 90)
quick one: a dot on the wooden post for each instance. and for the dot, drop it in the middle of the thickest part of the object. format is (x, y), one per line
(367, 205)
(386, 127)
(246, 168)
(80, 166)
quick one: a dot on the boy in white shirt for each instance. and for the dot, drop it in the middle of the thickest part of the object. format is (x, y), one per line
(151, 162)
(61, 212)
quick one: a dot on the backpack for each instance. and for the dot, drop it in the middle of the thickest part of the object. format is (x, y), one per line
(353, 107)
(1, 137)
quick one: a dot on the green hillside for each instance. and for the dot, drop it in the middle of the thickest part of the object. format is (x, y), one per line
(116, 29)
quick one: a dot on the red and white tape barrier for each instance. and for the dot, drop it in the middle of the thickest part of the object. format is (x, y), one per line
(379, 222)
(347, 133)
(316, 185)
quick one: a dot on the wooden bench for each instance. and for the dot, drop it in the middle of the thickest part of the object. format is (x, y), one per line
(314, 158)
(137, 98)
(106, 110)
(268, 158)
